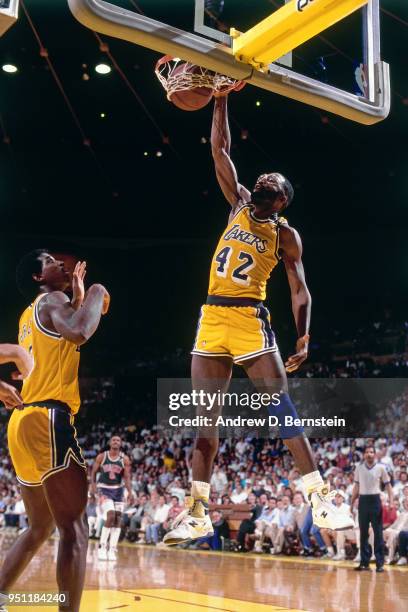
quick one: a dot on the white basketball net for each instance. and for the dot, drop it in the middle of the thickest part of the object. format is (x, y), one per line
(186, 79)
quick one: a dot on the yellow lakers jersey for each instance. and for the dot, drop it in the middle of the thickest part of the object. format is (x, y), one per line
(56, 362)
(245, 256)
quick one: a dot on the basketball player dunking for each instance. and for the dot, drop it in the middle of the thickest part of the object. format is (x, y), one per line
(234, 326)
(41, 435)
(114, 469)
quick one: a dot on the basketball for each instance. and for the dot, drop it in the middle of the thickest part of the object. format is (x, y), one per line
(190, 99)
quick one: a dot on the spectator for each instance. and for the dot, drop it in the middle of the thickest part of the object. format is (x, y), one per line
(269, 515)
(331, 537)
(219, 481)
(159, 517)
(392, 532)
(389, 513)
(247, 526)
(221, 532)
(174, 511)
(176, 489)
(283, 525)
(304, 523)
(400, 483)
(239, 496)
(148, 516)
(403, 548)
(132, 517)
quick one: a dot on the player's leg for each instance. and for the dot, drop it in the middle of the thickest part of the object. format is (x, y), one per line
(364, 523)
(41, 526)
(115, 535)
(210, 374)
(67, 494)
(108, 508)
(377, 524)
(268, 374)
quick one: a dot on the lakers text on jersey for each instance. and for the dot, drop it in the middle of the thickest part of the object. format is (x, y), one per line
(234, 323)
(246, 254)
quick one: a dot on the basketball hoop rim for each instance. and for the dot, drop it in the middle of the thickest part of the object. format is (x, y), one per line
(185, 81)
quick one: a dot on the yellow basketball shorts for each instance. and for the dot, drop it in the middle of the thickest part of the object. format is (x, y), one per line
(42, 441)
(239, 332)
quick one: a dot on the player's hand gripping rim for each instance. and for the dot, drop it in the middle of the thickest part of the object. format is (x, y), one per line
(295, 361)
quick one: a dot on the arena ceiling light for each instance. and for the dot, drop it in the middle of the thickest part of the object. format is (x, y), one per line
(10, 68)
(103, 69)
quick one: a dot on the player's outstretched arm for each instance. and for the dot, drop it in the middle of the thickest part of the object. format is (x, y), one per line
(77, 326)
(12, 353)
(291, 249)
(235, 193)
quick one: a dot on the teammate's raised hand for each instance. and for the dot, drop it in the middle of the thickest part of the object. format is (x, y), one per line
(78, 285)
(302, 347)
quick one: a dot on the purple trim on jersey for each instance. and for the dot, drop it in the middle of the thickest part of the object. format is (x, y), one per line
(116, 495)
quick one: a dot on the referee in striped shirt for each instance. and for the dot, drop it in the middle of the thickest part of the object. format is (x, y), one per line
(368, 477)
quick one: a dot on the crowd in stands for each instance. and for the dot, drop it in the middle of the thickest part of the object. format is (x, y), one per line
(252, 475)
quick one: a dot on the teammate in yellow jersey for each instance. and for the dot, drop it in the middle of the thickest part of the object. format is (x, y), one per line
(41, 435)
(234, 326)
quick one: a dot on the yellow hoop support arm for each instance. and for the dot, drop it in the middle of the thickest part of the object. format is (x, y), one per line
(289, 27)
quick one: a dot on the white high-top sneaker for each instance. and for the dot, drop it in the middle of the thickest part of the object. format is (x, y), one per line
(325, 513)
(102, 553)
(187, 527)
(112, 554)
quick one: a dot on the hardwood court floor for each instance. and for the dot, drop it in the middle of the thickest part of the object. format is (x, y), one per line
(148, 579)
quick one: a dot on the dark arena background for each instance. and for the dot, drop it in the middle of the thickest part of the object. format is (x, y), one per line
(102, 168)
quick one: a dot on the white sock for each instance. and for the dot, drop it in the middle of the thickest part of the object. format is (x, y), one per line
(114, 538)
(312, 481)
(200, 490)
(330, 549)
(105, 536)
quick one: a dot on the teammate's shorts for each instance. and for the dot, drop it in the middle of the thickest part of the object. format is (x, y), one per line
(239, 332)
(42, 441)
(112, 500)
